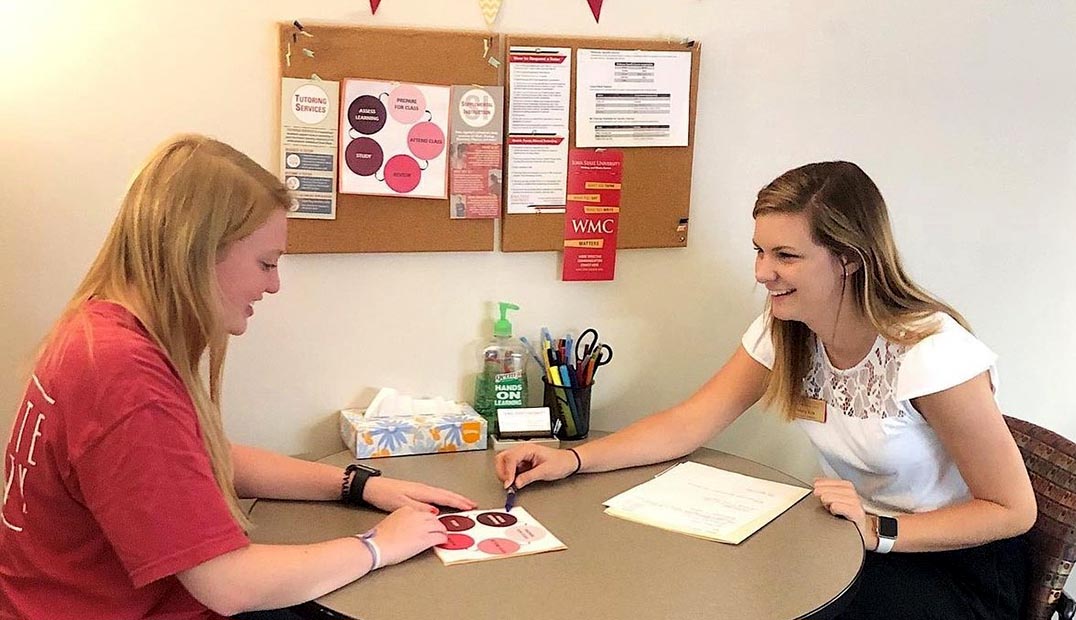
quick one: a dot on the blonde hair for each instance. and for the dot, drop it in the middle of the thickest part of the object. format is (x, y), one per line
(192, 198)
(848, 216)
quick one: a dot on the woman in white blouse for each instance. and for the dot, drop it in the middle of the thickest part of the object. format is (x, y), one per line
(889, 385)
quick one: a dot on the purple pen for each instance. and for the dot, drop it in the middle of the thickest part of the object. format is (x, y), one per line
(510, 500)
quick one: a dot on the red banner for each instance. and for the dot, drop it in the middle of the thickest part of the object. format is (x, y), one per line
(592, 215)
(376, 3)
(596, 9)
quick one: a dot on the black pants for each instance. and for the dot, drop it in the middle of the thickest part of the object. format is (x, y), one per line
(306, 611)
(988, 582)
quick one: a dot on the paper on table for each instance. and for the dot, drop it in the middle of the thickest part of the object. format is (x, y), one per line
(480, 535)
(706, 502)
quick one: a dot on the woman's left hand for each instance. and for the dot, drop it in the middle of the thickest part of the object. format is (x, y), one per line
(841, 499)
(388, 494)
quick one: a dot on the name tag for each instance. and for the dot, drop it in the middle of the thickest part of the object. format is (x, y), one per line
(811, 409)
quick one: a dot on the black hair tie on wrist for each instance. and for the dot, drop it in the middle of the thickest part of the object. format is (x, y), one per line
(578, 462)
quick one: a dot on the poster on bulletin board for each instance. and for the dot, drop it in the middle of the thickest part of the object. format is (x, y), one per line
(308, 120)
(392, 139)
(592, 218)
(477, 133)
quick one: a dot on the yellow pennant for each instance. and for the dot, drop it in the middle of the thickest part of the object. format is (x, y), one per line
(490, 8)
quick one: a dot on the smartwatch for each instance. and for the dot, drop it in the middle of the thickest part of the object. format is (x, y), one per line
(355, 477)
(886, 529)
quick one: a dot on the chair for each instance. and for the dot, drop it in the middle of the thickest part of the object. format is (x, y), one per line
(1051, 463)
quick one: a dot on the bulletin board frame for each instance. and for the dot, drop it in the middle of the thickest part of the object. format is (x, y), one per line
(656, 194)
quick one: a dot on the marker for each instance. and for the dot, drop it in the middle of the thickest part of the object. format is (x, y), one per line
(510, 499)
(562, 403)
(569, 395)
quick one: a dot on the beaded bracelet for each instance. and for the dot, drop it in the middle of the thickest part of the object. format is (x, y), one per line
(345, 486)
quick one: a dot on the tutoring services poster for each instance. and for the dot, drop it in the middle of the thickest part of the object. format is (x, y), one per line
(308, 125)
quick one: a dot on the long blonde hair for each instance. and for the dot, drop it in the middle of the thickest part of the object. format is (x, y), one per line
(192, 198)
(848, 216)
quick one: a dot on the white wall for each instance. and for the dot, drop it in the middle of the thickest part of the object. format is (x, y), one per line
(961, 111)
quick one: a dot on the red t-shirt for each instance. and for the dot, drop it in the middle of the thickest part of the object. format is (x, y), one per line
(108, 490)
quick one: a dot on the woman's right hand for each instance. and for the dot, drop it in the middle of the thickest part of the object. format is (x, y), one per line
(407, 532)
(525, 464)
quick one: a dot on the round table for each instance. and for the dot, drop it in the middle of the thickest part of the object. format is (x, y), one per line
(797, 566)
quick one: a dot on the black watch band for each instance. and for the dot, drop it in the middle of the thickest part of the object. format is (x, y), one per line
(355, 477)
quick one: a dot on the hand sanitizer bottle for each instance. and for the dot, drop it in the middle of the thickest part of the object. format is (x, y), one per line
(502, 383)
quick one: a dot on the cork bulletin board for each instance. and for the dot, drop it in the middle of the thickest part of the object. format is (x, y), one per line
(656, 193)
(388, 223)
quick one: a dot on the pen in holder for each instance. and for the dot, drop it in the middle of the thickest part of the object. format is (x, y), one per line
(571, 407)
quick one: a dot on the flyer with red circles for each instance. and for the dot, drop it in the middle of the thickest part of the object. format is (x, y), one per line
(392, 139)
(480, 535)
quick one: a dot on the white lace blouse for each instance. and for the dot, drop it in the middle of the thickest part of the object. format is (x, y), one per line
(873, 436)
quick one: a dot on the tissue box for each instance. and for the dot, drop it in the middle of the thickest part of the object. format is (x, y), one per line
(369, 438)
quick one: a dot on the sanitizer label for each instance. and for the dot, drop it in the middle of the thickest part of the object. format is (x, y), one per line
(508, 390)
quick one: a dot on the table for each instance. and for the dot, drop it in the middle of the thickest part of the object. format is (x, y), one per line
(798, 566)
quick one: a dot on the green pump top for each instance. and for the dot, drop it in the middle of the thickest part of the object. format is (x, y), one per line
(502, 327)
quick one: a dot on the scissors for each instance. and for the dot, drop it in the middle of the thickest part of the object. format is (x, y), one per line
(591, 354)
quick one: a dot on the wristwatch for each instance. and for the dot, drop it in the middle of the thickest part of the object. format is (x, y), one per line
(886, 530)
(355, 477)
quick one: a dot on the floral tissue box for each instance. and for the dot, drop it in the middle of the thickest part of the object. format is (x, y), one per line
(371, 438)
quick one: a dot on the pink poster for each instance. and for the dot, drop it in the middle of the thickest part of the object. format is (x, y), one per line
(392, 139)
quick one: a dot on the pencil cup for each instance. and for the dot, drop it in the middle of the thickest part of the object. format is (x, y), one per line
(571, 406)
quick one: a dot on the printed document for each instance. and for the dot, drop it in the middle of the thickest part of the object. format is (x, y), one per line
(539, 82)
(706, 502)
(632, 98)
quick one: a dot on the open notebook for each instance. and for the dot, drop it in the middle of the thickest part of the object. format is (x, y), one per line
(706, 502)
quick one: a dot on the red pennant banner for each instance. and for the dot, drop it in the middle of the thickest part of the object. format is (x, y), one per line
(376, 3)
(596, 9)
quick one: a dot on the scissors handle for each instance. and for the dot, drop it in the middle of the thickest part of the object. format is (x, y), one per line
(585, 343)
(597, 358)
(604, 355)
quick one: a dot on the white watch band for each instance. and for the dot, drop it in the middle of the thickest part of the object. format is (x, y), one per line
(887, 540)
(885, 545)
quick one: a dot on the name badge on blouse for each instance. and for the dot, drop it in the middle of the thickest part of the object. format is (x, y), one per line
(811, 409)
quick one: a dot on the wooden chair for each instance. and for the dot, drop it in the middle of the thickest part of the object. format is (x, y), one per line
(1051, 462)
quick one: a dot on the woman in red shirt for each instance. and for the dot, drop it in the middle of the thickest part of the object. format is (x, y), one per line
(121, 495)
